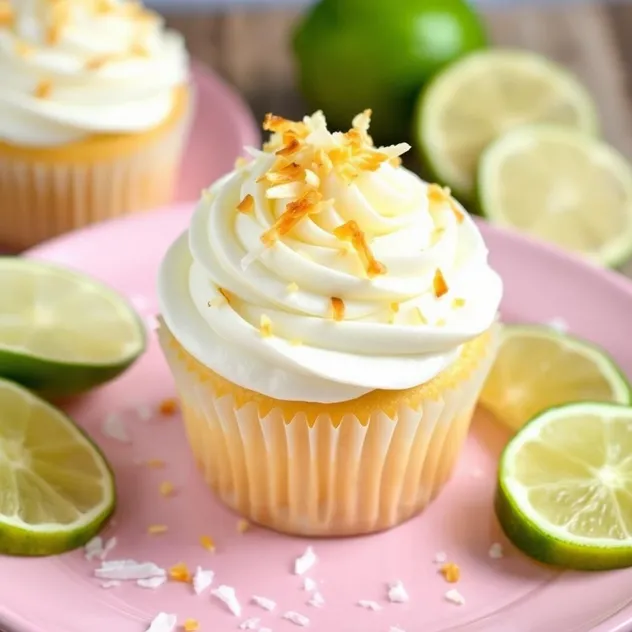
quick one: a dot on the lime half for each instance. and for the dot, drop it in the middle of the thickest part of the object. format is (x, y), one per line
(561, 186)
(56, 487)
(564, 494)
(485, 95)
(62, 332)
(538, 368)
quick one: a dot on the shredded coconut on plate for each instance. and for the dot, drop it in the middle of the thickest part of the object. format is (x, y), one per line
(114, 428)
(112, 583)
(496, 551)
(202, 579)
(264, 602)
(316, 600)
(108, 546)
(455, 597)
(441, 557)
(94, 548)
(309, 584)
(163, 623)
(369, 605)
(296, 618)
(303, 563)
(397, 593)
(226, 594)
(152, 582)
(250, 624)
(128, 570)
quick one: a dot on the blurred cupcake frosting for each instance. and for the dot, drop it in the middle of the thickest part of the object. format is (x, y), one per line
(322, 269)
(75, 68)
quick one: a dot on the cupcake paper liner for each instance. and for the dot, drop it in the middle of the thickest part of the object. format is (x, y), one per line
(324, 476)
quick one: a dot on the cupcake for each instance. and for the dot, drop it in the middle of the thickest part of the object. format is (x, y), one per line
(94, 108)
(329, 319)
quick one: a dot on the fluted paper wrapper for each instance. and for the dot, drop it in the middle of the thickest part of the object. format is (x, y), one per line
(43, 199)
(324, 477)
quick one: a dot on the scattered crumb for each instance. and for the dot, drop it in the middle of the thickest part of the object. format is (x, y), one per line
(455, 597)
(180, 573)
(127, 570)
(151, 582)
(243, 526)
(163, 623)
(114, 428)
(369, 605)
(451, 572)
(113, 583)
(226, 594)
(202, 579)
(155, 464)
(190, 625)
(250, 624)
(309, 584)
(264, 602)
(496, 551)
(305, 562)
(94, 548)
(296, 618)
(168, 407)
(110, 543)
(316, 600)
(441, 557)
(157, 529)
(207, 543)
(167, 488)
(397, 593)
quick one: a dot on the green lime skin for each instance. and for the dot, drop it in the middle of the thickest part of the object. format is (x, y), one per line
(357, 54)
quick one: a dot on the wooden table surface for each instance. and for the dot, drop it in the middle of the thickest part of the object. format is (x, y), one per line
(250, 49)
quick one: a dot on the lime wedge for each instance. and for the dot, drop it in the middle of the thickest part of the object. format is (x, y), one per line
(483, 96)
(57, 489)
(538, 367)
(562, 186)
(564, 494)
(62, 332)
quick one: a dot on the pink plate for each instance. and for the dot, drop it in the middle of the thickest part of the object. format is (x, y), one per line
(511, 594)
(223, 125)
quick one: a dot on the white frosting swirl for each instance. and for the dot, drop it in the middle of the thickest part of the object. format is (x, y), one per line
(396, 332)
(73, 68)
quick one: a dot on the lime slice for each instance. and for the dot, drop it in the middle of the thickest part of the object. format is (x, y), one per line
(538, 367)
(562, 186)
(564, 494)
(484, 95)
(62, 332)
(57, 489)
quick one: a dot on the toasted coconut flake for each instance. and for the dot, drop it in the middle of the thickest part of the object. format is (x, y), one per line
(180, 573)
(292, 146)
(167, 488)
(322, 162)
(290, 190)
(311, 179)
(442, 195)
(292, 287)
(294, 213)
(265, 326)
(168, 407)
(247, 204)
(451, 572)
(207, 543)
(157, 529)
(457, 303)
(337, 308)
(439, 285)
(190, 625)
(243, 526)
(292, 172)
(351, 232)
(43, 89)
(278, 124)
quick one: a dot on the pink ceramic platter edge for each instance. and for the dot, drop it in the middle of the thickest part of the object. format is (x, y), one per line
(510, 594)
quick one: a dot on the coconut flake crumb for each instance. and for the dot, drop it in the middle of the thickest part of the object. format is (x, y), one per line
(226, 594)
(250, 624)
(152, 582)
(127, 570)
(108, 546)
(397, 593)
(305, 562)
(202, 579)
(369, 605)
(94, 548)
(309, 584)
(296, 618)
(264, 602)
(112, 583)
(496, 551)
(455, 597)
(114, 428)
(441, 557)
(316, 600)
(163, 622)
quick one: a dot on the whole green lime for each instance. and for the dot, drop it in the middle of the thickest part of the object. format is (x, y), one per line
(358, 54)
